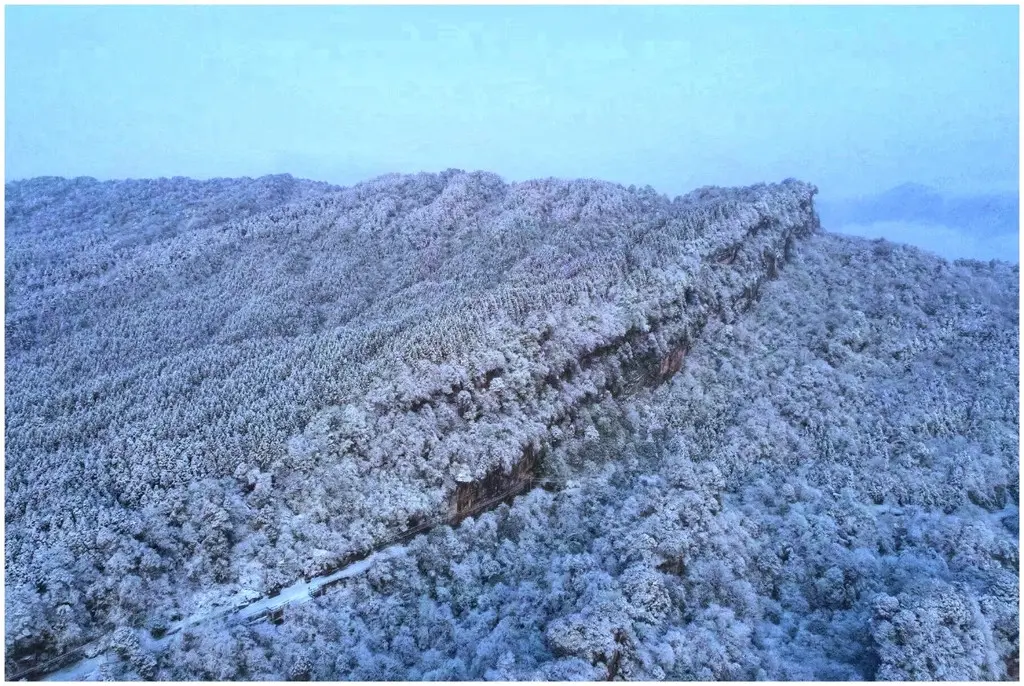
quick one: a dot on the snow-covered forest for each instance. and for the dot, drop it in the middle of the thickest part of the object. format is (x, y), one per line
(778, 453)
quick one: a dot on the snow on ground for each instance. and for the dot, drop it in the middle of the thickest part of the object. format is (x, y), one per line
(302, 591)
(83, 670)
(212, 608)
(89, 669)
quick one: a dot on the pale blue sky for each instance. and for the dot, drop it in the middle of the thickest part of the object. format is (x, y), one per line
(854, 99)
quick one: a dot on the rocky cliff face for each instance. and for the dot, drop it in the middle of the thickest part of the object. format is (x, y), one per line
(646, 354)
(473, 426)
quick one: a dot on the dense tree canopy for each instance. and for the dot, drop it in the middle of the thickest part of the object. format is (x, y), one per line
(216, 388)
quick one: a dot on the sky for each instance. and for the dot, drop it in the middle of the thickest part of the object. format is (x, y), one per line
(854, 99)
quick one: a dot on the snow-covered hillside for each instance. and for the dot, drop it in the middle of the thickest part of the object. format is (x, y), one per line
(782, 453)
(829, 489)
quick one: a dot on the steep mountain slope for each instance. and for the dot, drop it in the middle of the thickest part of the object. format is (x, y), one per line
(772, 452)
(219, 387)
(828, 489)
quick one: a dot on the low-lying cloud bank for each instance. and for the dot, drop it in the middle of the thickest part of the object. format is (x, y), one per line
(945, 241)
(981, 227)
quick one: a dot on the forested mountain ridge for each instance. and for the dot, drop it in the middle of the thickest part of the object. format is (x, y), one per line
(827, 490)
(223, 386)
(228, 384)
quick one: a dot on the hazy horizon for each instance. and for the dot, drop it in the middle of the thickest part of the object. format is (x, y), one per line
(856, 100)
